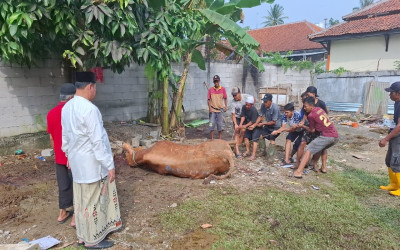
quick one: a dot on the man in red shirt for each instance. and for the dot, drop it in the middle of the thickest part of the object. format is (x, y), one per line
(217, 105)
(318, 122)
(63, 172)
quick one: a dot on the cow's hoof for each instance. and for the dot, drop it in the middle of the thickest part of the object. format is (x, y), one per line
(129, 154)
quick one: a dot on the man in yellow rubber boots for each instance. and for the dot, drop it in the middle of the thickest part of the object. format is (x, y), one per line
(393, 154)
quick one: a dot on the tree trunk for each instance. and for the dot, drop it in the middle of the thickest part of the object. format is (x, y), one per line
(153, 112)
(164, 114)
(176, 112)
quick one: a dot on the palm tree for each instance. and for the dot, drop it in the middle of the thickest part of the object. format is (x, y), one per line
(363, 3)
(275, 16)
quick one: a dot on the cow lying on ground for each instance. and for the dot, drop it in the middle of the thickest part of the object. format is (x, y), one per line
(192, 161)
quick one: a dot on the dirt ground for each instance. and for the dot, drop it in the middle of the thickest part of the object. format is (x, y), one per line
(29, 203)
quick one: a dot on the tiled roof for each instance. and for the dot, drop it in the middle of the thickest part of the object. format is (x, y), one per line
(286, 37)
(378, 8)
(383, 16)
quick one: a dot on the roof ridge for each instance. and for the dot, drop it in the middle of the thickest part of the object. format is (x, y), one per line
(310, 25)
(323, 31)
(280, 25)
(373, 26)
(368, 7)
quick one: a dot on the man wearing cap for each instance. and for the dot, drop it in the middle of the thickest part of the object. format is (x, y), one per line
(248, 118)
(236, 109)
(86, 144)
(217, 105)
(273, 118)
(312, 91)
(392, 159)
(63, 173)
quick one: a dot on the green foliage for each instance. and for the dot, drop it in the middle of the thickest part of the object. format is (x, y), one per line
(246, 44)
(363, 3)
(88, 33)
(349, 211)
(197, 57)
(397, 64)
(339, 71)
(320, 67)
(333, 22)
(114, 33)
(286, 63)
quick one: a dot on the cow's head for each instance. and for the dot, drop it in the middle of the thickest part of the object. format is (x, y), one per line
(130, 154)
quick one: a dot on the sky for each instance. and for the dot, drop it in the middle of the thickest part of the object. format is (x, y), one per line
(314, 11)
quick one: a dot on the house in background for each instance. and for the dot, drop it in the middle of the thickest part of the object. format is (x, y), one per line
(368, 40)
(291, 37)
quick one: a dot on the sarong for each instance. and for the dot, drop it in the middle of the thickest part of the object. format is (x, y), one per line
(96, 210)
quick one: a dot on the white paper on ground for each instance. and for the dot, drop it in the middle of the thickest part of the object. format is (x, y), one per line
(46, 242)
(287, 166)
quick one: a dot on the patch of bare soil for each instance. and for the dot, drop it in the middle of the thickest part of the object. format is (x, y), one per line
(29, 204)
(196, 240)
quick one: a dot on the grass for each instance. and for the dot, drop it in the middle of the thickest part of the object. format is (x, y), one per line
(352, 213)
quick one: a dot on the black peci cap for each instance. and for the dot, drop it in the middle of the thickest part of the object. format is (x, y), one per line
(85, 77)
(395, 87)
(216, 78)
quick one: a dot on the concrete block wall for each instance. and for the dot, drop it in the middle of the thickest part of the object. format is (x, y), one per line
(274, 76)
(26, 95)
(123, 96)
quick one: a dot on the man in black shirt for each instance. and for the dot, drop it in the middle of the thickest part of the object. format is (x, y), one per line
(312, 91)
(392, 159)
(248, 119)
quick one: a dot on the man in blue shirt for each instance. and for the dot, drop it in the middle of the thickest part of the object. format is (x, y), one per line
(273, 119)
(392, 159)
(290, 120)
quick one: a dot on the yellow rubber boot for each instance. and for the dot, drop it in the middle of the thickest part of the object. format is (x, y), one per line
(394, 184)
(396, 192)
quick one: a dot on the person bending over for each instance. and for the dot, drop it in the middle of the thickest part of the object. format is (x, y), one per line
(290, 120)
(272, 116)
(248, 119)
(318, 122)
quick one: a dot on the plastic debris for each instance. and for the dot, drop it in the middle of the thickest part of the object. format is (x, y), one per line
(40, 158)
(315, 187)
(46, 242)
(197, 123)
(19, 152)
(47, 152)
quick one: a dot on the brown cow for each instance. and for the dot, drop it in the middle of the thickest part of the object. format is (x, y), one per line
(192, 161)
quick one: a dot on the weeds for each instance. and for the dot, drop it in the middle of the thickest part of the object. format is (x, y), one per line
(341, 215)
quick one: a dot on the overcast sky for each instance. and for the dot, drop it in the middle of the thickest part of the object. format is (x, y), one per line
(314, 11)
